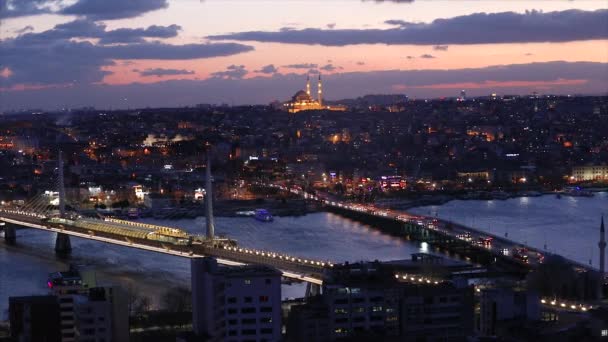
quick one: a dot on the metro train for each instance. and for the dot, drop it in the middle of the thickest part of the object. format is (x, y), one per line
(127, 229)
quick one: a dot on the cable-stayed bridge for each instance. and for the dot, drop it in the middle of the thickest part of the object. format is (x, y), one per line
(47, 213)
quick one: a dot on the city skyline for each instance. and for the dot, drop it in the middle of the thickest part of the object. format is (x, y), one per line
(173, 53)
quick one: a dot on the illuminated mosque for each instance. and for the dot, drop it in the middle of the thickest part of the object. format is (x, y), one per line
(302, 100)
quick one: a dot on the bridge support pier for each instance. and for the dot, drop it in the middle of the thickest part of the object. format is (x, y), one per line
(10, 233)
(63, 246)
(312, 290)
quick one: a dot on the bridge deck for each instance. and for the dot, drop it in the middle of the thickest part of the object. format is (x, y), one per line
(501, 246)
(292, 267)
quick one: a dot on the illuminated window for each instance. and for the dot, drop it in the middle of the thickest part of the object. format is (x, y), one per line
(247, 281)
(604, 332)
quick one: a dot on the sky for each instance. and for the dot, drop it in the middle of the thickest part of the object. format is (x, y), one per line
(57, 54)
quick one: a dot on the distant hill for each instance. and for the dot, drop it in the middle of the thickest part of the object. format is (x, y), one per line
(373, 100)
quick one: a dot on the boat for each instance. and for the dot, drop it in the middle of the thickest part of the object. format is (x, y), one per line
(263, 215)
(578, 192)
(499, 195)
(245, 213)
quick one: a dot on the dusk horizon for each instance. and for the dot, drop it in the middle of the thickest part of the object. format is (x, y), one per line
(69, 54)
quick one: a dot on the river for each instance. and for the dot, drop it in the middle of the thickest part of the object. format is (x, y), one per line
(24, 268)
(569, 226)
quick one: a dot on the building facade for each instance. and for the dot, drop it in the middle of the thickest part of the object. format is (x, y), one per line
(590, 173)
(366, 301)
(34, 319)
(88, 313)
(235, 303)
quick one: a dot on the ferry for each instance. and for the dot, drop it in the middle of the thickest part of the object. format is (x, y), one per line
(263, 215)
(578, 192)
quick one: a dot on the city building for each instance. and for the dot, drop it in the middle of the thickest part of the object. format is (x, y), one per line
(65, 286)
(366, 300)
(590, 173)
(506, 305)
(87, 312)
(102, 315)
(303, 100)
(240, 303)
(34, 318)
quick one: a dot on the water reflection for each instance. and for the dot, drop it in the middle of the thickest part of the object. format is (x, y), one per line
(319, 236)
(568, 226)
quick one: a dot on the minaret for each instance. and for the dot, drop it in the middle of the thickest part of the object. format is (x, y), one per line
(209, 199)
(308, 85)
(320, 91)
(602, 245)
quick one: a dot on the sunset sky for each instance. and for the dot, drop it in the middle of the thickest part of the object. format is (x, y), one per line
(135, 53)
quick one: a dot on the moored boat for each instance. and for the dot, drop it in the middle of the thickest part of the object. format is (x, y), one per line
(263, 215)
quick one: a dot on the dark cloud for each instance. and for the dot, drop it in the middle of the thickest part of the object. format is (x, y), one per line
(441, 47)
(301, 66)
(331, 25)
(394, 1)
(264, 89)
(360, 63)
(330, 67)
(160, 72)
(51, 57)
(427, 56)
(478, 28)
(88, 29)
(529, 54)
(268, 69)
(401, 23)
(92, 9)
(25, 29)
(125, 35)
(113, 9)
(233, 72)
(410, 57)
(20, 8)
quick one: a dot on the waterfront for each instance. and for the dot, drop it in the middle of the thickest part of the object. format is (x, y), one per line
(319, 235)
(568, 226)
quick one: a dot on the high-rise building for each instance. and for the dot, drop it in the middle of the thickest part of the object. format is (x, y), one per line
(102, 315)
(65, 285)
(34, 318)
(366, 301)
(506, 305)
(236, 303)
(87, 312)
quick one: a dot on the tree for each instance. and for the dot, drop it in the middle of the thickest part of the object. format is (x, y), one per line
(177, 299)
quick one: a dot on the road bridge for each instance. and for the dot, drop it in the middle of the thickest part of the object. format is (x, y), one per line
(470, 243)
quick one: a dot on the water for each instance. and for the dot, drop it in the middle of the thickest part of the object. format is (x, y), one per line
(24, 268)
(568, 226)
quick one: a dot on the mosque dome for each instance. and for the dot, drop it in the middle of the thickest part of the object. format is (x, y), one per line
(301, 96)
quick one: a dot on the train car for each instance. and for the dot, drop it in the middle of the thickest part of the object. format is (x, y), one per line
(126, 229)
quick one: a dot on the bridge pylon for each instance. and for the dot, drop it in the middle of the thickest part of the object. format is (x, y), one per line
(10, 234)
(312, 290)
(210, 223)
(63, 245)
